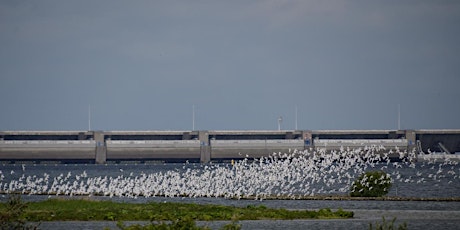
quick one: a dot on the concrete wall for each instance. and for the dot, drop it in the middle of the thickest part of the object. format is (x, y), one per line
(234, 149)
(387, 144)
(47, 150)
(153, 149)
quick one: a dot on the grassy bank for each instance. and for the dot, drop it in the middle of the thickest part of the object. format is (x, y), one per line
(86, 210)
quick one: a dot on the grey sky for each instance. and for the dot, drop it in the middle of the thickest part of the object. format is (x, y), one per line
(142, 65)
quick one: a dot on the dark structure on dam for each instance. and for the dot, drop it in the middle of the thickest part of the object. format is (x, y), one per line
(204, 146)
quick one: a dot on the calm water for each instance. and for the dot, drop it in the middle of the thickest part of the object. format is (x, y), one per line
(421, 180)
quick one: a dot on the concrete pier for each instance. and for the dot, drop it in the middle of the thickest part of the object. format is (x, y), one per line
(204, 146)
(101, 150)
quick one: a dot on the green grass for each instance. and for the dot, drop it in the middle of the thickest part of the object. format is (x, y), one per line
(85, 210)
(185, 223)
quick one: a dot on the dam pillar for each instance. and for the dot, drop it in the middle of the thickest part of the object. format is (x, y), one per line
(101, 150)
(205, 148)
(411, 139)
(307, 139)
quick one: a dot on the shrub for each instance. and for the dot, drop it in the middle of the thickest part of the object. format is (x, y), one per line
(12, 217)
(384, 225)
(371, 184)
(232, 226)
(183, 223)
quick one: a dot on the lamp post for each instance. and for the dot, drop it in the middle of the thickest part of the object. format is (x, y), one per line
(89, 117)
(280, 119)
(193, 117)
(296, 117)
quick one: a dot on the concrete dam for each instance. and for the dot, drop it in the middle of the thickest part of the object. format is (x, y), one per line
(205, 146)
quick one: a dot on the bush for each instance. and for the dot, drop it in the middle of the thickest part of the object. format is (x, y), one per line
(183, 223)
(232, 226)
(12, 217)
(371, 184)
(384, 225)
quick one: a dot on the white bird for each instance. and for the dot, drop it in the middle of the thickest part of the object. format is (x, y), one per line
(293, 175)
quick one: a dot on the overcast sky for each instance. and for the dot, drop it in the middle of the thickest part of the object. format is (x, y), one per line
(143, 65)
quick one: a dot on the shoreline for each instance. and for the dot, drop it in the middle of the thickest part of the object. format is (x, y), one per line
(300, 197)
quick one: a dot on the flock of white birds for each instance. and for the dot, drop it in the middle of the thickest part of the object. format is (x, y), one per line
(284, 175)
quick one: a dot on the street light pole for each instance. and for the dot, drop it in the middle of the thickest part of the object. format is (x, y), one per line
(193, 117)
(89, 117)
(296, 117)
(280, 119)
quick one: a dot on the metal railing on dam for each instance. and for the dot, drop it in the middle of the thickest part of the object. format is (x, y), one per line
(205, 146)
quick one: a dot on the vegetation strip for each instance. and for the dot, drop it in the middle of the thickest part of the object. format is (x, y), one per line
(383, 198)
(84, 210)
